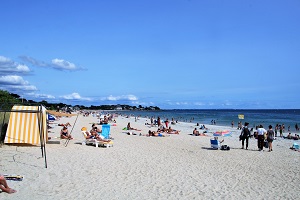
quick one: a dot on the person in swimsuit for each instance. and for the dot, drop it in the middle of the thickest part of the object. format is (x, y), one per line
(64, 133)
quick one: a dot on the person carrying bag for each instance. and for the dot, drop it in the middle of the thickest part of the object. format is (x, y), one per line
(245, 135)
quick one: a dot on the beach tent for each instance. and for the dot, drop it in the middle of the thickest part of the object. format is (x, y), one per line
(27, 125)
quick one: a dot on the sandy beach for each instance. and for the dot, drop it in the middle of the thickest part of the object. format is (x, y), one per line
(139, 167)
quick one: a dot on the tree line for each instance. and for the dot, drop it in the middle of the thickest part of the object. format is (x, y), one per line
(7, 99)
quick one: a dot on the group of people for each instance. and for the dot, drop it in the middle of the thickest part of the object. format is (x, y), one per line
(95, 133)
(261, 135)
(169, 130)
(161, 130)
(290, 136)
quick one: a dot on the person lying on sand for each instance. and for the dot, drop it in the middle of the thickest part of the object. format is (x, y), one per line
(155, 134)
(289, 136)
(4, 186)
(130, 128)
(172, 131)
(196, 133)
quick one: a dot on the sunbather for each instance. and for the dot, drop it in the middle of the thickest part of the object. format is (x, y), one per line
(4, 186)
(161, 129)
(64, 133)
(104, 121)
(221, 141)
(130, 128)
(172, 131)
(91, 135)
(197, 133)
(95, 135)
(95, 128)
(155, 134)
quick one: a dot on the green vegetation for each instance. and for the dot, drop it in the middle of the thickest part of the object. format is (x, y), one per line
(8, 99)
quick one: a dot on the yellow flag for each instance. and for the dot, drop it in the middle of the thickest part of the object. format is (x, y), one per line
(241, 116)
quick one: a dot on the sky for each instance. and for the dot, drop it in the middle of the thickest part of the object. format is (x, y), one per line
(174, 54)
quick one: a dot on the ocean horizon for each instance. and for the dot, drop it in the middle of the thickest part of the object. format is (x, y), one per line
(224, 117)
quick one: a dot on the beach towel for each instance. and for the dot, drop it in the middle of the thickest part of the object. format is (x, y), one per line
(13, 177)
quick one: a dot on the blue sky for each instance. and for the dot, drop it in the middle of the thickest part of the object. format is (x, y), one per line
(205, 54)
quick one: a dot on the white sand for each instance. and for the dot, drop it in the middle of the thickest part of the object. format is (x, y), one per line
(139, 167)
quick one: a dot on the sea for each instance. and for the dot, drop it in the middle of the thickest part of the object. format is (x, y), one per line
(224, 117)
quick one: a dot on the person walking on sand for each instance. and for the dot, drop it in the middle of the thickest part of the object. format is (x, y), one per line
(270, 137)
(245, 134)
(4, 186)
(260, 137)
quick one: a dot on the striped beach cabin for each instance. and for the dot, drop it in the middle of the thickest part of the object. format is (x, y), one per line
(27, 125)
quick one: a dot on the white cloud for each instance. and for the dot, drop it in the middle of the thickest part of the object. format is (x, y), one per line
(15, 83)
(182, 103)
(13, 80)
(199, 104)
(4, 59)
(7, 66)
(129, 97)
(43, 96)
(58, 64)
(75, 96)
(63, 64)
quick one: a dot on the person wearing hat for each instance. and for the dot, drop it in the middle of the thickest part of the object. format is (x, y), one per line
(245, 134)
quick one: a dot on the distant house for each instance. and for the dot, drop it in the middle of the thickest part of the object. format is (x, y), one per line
(151, 108)
(119, 108)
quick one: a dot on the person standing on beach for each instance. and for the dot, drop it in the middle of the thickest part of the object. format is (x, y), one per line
(232, 124)
(158, 121)
(281, 130)
(167, 123)
(260, 137)
(270, 138)
(245, 134)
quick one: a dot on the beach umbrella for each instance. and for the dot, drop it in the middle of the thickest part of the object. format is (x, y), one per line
(224, 133)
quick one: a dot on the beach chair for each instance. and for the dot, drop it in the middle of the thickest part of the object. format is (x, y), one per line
(295, 146)
(94, 142)
(215, 144)
(88, 141)
(106, 131)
